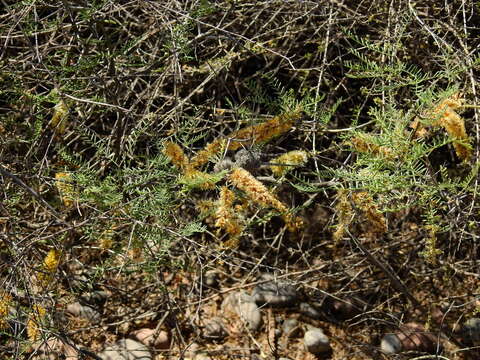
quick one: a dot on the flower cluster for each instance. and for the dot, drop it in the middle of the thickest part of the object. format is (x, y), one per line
(5, 303)
(285, 162)
(255, 134)
(344, 212)
(65, 188)
(49, 267)
(258, 193)
(225, 216)
(376, 222)
(35, 321)
(445, 115)
(361, 144)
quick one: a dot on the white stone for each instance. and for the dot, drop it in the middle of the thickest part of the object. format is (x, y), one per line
(316, 341)
(245, 307)
(391, 344)
(126, 349)
(83, 311)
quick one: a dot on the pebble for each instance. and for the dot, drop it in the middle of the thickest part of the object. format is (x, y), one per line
(83, 311)
(55, 349)
(201, 356)
(150, 337)
(309, 311)
(411, 337)
(391, 344)
(290, 328)
(224, 164)
(316, 341)
(126, 349)
(215, 329)
(343, 310)
(275, 292)
(245, 307)
(471, 330)
(96, 297)
(248, 159)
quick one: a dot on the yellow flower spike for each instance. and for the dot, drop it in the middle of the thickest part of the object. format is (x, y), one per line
(254, 134)
(283, 163)
(106, 239)
(376, 220)
(344, 212)
(258, 193)
(176, 155)
(65, 188)
(5, 304)
(444, 115)
(255, 190)
(51, 261)
(225, 216)
(34, 322)
(60, 117)
(204, 155)
(49, 267)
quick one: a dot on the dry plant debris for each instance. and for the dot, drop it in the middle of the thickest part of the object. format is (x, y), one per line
(158, 158)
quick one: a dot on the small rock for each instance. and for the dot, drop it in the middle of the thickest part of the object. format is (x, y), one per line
(191, 350)
(290, 328)
(201, 356)
(471, 330)
(309, 311)
(224, 164)
(342, 309)
(83, 311)
(248, 159)
(126, 349)
(54, 349)
(96, 297)
(244, 306)
(411, 337)
(152, 337)
(215, 329)
(391, 344)
(316, 341)
(275, 292)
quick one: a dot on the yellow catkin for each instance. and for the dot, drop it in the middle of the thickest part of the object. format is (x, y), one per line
(65, 188)
(285, 162)
(198, 179)
(51, 261)
(176, 155)
(5, 304)
(225, 217)
(254, 134)
(209, 151)
(431, 252)
(59, 118)
(344, 212)
(444, 115)
(377, 224)
(49, 267)
(258, 193)
(362, 145)
(255, 190)
(135, 254)
(34, 322)
(106, 239)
